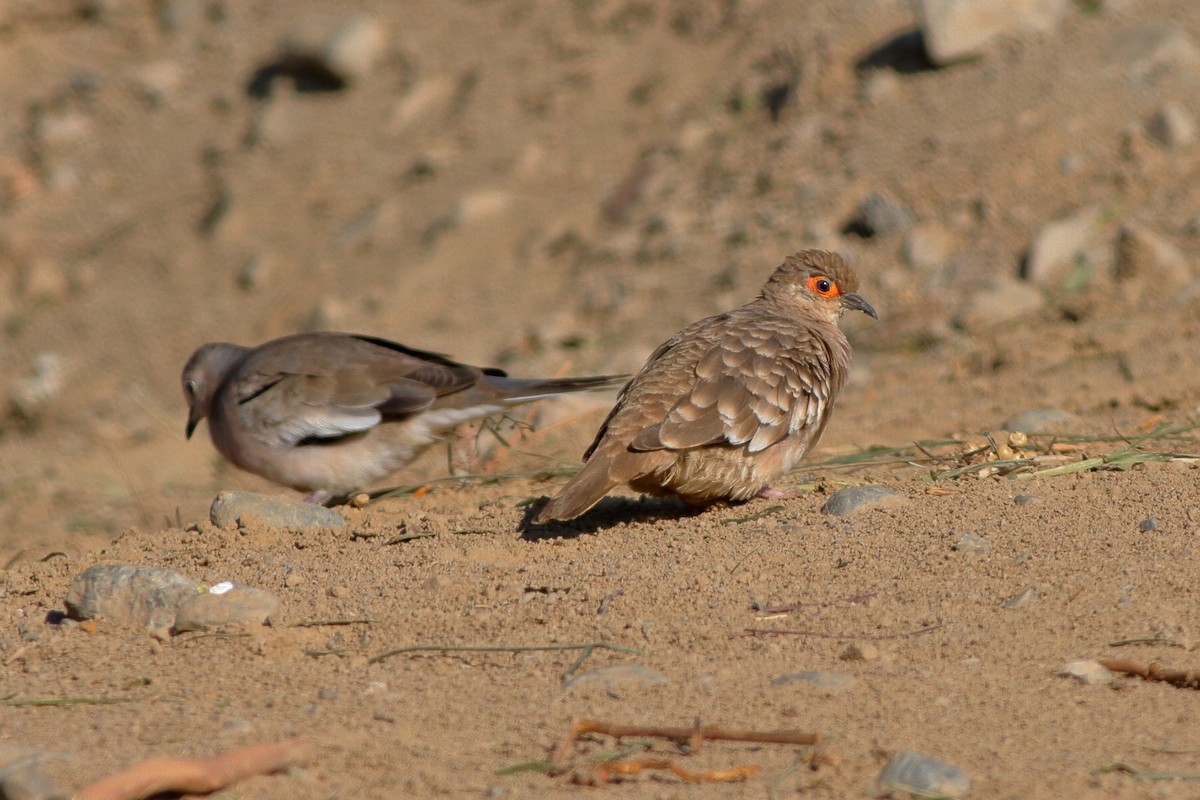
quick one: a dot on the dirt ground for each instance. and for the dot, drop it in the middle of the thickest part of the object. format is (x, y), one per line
(555, 188)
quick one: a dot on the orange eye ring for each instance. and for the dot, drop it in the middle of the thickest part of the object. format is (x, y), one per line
(823, 287)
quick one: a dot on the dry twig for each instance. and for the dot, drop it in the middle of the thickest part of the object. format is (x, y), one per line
(196, 776)
(877, 637)
(692, 736)
(610, 771)
(1185, 679)
(587, 647)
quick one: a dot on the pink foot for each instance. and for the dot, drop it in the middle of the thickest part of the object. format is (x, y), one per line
(771, 493)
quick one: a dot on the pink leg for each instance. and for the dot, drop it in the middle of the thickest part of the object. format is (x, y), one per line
(770, 493)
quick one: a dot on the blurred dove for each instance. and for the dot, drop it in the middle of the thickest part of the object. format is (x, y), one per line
(731, 402)
(332, 413)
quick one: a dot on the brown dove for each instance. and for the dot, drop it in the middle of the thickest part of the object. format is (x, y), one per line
(332, 413)
(731, 402)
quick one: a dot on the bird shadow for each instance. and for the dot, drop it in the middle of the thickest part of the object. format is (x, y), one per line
(608, 512)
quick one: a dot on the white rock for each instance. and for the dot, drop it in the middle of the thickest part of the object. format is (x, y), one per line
(879, 85)
(1059, 245)
(958, 29)
(482, 204)
(1172, 126)
(928, 247)
(38, 389)
(425, 98)
(1088, 671)
(355, 47)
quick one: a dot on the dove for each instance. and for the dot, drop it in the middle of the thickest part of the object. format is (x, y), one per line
(333, 413)
(731, 402)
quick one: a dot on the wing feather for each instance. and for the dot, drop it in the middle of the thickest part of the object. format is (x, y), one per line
(751, 388)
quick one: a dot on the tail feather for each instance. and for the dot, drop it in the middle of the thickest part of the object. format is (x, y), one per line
(525, 389)
(581, 493)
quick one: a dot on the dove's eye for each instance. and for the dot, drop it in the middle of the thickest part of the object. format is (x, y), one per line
(823, 287)
(190, 387)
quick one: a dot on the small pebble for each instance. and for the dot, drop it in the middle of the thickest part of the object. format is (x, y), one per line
(1172, 127)
(970, 543)
(31, 777)
(1023, 598)
(1088, 671)
(1148, 524)
(846, 501)
(130, 595)
(1025, 499)
(878, 215)
(234, 509)
(909, 771)
(355, 47)
(829, 681)
(860, 651)
(237, 605)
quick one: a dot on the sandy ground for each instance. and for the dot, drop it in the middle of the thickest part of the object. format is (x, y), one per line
(556, 188)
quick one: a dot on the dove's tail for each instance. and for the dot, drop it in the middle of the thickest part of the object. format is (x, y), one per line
(581, 493)
(522, 390)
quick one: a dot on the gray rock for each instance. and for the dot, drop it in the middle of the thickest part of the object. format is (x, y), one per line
(30, 774)
(176, 16)
(1003, 302)
(1148, 525)
(1141, 253)
(147, 596)
(829, 681)
(1155, 47)
(909, 771)
(612, 676)
(959, 29)
(32, 394)
(225, 604)
(234, 509)
(355, 47)
(1025, 499)
(1172, 126)
(879, 215)
(1059, 246)
(1023, 598)
(928, 247)
(846, 501)
(970, 543)
(1039, 420)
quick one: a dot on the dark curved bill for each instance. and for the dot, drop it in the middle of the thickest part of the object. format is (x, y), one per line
(856, 302)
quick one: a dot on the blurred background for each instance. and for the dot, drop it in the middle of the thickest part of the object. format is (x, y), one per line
(556, 187)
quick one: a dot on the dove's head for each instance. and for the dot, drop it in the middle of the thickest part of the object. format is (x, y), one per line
(817, 284)
(203, 375)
